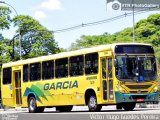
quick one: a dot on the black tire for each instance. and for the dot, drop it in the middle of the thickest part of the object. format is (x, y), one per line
(64, 108)
(128, 106)
(32, 106)
(92, 104)
(119, 106)
(40, 109)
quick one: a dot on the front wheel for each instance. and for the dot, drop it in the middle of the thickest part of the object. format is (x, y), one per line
(92, 104)
(128, 106)
(32, 106)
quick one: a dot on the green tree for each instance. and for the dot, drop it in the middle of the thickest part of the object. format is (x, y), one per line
(146, 31)
(36, 40)
(5, 18)
(88, 41)
(5, 21)
(5, 51)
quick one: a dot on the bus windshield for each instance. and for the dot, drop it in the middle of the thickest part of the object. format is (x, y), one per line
(136, 68)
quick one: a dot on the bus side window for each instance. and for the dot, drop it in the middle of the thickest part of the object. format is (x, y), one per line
(48, 70)
(76, 65)
(7, 73)
(35, 71)
(61, 67)
(110, 67)
(25, 73)
(104, 68)
(91, 63)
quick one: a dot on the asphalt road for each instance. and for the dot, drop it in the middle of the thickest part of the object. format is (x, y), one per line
(81, 113)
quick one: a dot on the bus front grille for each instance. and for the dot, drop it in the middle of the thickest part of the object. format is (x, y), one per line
(138, 86)
(139, 92)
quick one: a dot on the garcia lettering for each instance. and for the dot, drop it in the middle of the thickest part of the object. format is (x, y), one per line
(61, 85)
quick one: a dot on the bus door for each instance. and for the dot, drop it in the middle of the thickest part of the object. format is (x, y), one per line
(17, 87)
(107, 79)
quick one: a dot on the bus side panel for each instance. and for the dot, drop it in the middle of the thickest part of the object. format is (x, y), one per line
(66, 91)
(7, 96)
(24, 98)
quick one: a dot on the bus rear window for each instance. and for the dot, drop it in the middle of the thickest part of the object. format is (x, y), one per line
(133, 49)
(7, 73)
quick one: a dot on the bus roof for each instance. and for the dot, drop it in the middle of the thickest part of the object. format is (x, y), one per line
(68, 54)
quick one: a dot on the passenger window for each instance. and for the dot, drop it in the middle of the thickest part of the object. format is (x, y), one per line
(7, 75)
(91, 63)
(35, 71)
(48, 70)
(76, 65)
(104, 68)
(61, 67)
(110, 67)
(25, 73)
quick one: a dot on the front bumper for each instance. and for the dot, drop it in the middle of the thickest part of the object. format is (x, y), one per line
(139, 98)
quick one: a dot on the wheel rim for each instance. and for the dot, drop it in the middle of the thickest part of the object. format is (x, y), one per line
(92, 102)
(32, 104)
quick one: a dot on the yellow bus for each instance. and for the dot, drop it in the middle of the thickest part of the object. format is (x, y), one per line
(116, 74)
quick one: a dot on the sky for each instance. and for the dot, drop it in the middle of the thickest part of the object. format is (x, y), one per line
(60, 14)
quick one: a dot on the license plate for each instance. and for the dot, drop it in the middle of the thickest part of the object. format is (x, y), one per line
(140, 99)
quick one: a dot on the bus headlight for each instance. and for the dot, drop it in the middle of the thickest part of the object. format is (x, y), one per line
(155, 89)
(121, 89)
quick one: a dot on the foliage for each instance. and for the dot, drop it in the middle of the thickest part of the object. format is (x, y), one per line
(106, 38)
(5, 17)
(36, 40)
(146, 31)
(4, 44)
(87, 41)
(5, 51)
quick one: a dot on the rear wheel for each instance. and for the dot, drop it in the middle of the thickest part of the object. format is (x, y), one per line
(128, 106)
(64, 108)
(92, 104)
(32, 106)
